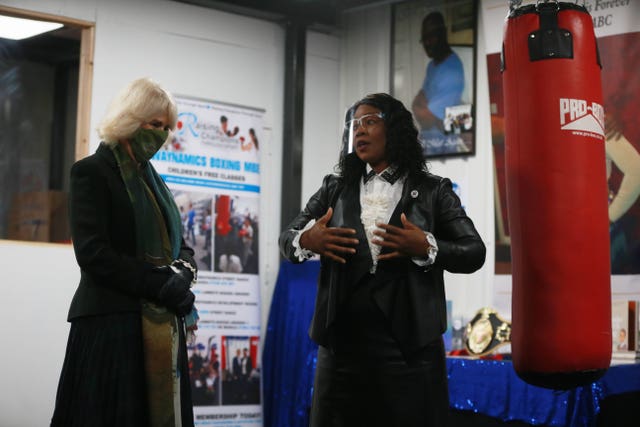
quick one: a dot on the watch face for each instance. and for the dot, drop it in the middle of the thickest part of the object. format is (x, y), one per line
(480, 335)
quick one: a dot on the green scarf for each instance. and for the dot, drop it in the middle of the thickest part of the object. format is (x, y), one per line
(158, 225)
(158, 240)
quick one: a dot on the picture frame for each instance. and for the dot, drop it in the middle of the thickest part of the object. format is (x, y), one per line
(436, 57)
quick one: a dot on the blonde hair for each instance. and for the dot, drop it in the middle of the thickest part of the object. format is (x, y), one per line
(140, 101)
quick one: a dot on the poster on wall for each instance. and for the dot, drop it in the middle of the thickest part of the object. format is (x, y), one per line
(433, 71)
(617, 29)
(212, 167)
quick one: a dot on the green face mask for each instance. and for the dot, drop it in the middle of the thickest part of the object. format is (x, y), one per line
(146, 142)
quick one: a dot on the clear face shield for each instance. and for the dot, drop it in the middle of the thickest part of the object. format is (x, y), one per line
(365, 122)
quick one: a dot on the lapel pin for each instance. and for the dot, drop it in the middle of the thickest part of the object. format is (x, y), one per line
(414, 194)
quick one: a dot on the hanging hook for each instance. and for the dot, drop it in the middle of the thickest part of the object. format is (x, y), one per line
(548, 1)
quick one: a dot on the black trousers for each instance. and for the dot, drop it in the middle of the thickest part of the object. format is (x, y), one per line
(365, 380)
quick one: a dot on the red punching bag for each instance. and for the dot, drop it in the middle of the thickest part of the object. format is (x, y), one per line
(223, 215)
(556, 196)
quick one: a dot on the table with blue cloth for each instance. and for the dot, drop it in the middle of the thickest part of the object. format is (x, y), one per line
(482, 392)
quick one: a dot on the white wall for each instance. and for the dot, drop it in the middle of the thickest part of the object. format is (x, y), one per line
(322, 119)
(38, 281)
(365, 54)
(192, 51)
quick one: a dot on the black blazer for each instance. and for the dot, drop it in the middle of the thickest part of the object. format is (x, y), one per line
(104, 239)
(411, 297)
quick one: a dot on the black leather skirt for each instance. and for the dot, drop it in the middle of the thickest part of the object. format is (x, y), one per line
(363, 379)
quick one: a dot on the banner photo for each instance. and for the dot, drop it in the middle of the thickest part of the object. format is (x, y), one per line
(617, 28)
(212, 167)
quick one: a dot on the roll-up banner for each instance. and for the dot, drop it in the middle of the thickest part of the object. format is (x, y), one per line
(212, 167)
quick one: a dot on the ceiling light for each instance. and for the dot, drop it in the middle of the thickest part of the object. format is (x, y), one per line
(19, 28)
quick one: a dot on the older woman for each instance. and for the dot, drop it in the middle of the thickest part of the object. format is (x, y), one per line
(125, 363)
(386, 229)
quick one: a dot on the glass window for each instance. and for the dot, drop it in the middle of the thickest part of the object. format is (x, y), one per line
(39, 95)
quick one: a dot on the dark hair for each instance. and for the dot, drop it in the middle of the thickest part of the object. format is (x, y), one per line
(403, 148)
(435, 23)
(255, 138)
(435, 18)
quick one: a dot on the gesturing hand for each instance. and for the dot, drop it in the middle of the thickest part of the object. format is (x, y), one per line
(329, 241)
(406, 241)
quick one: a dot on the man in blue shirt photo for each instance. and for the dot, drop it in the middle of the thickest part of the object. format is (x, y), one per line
(442, 86)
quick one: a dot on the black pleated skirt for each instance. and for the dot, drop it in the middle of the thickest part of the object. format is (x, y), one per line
(102, 383)
(365, 380)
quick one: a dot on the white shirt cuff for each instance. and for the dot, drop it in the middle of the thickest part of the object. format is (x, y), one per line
(301, 253)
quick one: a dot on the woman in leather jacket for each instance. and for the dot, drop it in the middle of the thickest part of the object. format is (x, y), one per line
(385, 230)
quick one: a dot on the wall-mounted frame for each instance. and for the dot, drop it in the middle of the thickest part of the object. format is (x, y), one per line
(433, 71)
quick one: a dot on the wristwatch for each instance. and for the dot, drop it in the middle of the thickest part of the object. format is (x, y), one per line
(432, 251)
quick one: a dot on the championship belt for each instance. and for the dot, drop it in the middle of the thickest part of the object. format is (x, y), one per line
(486, 332)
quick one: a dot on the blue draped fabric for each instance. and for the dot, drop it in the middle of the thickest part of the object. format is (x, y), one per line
(289, 357)
(486, 387)
(493, 388)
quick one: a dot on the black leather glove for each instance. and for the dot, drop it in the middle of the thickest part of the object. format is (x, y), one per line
(153, 280)
(186, 305)
(170, 289)
(176, 295)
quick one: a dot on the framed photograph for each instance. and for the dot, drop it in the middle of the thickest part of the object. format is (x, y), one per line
(433, 71)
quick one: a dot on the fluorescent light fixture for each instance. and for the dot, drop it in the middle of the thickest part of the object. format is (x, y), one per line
(20, 28)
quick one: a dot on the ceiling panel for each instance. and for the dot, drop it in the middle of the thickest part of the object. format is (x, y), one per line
(324, 12)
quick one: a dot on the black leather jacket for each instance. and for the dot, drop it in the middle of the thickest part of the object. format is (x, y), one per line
(411, 297)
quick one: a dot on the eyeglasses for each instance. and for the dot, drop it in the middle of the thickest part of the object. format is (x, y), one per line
(366, 122)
